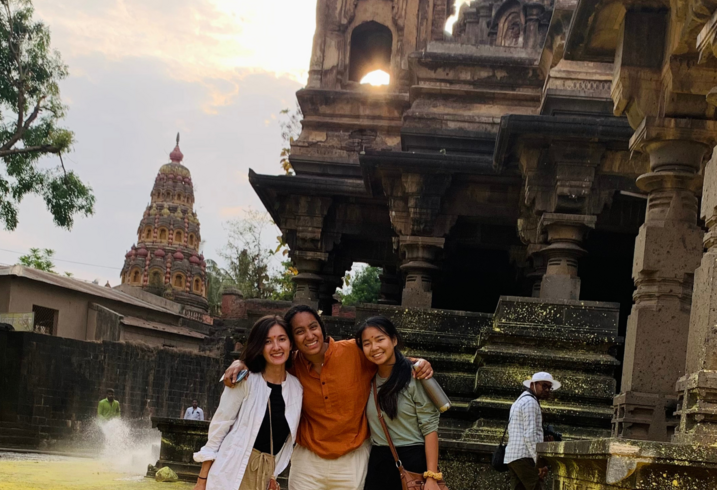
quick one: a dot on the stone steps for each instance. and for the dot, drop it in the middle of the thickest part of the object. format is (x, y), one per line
(520, 354)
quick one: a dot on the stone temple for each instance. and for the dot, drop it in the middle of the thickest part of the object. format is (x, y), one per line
(530, 184)
(166, 260)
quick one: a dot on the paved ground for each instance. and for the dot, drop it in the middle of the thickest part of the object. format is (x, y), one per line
(38, 471)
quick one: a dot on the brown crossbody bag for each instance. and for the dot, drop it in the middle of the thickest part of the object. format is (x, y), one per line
(409, 479)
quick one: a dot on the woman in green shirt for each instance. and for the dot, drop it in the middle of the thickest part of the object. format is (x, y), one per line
(411, 417)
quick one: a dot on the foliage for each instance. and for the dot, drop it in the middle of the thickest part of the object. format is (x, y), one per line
(290, 124)
(215, 284)
(39, 259)
(30, 110)
(249, 261)
(365, 287)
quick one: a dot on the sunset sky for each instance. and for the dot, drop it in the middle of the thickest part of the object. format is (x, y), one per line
(217, 71)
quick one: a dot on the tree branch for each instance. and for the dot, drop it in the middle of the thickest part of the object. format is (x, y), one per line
(31, 149)
(20, 131)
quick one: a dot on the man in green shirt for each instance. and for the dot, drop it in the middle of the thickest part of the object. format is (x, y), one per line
(108, 408)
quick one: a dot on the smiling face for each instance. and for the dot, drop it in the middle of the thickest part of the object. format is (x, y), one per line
(277, 346)
(308, 337)
(378, 346)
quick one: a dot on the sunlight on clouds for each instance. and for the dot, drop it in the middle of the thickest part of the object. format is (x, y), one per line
(205, 41)
(376, 78)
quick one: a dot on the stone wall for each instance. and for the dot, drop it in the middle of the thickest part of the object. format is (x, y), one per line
(51, 385)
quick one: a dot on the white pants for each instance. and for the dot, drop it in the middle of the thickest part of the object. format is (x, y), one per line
(312, 472)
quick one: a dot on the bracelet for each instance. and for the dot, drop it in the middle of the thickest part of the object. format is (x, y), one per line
(202, 477)
(436, 476)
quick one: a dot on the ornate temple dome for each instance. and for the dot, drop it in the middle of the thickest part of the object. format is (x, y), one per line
(169, 233)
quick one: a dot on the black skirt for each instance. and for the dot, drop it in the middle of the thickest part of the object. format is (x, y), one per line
(382, 472)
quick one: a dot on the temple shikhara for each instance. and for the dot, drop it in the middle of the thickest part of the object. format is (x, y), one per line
(166, 260)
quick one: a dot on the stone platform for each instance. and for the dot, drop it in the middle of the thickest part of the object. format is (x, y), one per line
(603, 464)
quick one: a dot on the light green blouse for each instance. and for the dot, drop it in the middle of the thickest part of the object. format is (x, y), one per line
(417, 417)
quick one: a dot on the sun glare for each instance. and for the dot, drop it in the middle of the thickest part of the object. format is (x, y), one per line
(376, 78)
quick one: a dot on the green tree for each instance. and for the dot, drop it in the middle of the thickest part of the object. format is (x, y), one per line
(365, 287)
(290, 124)
(30, 109)
(215, 284)
(39, 259)
(282, 282)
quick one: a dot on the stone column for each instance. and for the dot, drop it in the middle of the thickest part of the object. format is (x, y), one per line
(390, 287)
(419, 256)
(308, 281)
(537, 271)
(697, 390)
(565, 235)
(668, 249)
(327, 290)
(533, 11)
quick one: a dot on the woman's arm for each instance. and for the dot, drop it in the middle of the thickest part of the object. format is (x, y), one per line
(222, 422)
(431, 459)
(202, 478)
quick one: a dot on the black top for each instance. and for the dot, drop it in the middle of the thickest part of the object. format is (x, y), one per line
(279, 424)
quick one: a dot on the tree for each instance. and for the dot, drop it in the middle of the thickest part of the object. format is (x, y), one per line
(365, 287)
(39, 259)
(290, 124)
(249, 260)
(215, 284)
(30, 109)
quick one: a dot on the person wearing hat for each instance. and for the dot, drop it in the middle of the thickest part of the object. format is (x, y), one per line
(525, 431)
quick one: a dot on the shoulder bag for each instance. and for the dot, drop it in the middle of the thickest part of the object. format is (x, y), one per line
(497, 463)
(409, 479)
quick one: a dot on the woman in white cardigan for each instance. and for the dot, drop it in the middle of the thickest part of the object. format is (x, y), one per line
(253, 431)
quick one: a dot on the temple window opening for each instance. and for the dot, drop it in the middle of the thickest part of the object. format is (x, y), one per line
(371, 48)
(178, 236)
(191, 240)
(155, 279)
(178, 281)
(197, 285)
(136, 277)
(376, 78)
(162, 235)
(148, 233)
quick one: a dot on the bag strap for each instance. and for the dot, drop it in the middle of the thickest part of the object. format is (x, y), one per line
(530, 394)
(399, 465)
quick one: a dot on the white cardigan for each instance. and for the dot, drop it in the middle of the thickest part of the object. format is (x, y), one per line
(236, 424)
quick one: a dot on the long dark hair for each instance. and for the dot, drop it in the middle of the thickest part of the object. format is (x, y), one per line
(402, 371)
(253, 354)
(294, 310)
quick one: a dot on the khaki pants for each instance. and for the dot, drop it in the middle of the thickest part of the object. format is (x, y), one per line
(312, 472)
(258, 472)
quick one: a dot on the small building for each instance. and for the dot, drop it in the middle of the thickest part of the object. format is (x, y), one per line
(34, 300)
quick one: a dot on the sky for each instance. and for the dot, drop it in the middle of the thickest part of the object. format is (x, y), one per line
(216, 71)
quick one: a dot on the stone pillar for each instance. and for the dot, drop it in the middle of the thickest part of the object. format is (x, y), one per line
(565, 235)
(533, 11)
(233, 305)
(419, 256)
(308, 281)
(668, 249)
(697, 390)
(485, 14)
(390, 287)
(327, 290)
(537, 271)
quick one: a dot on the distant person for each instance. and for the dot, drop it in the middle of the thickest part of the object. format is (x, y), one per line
(108, 408)
(194, 412)
(525, 431)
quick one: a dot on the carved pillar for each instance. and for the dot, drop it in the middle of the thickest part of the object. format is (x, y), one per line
(390, 287)
(308, 281)
(419, 256)
(668, 249)
(327, 290)
(538, 269)
(533, 11)
(565, 235)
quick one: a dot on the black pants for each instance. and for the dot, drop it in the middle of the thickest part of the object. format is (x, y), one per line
(382, 472)
(524, 475)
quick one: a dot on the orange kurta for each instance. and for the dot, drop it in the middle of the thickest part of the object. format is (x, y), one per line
(333, 415)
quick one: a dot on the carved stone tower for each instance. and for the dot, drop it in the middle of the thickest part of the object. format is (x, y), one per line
(166, 259)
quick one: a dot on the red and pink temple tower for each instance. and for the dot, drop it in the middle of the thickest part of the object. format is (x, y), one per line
(166, 260)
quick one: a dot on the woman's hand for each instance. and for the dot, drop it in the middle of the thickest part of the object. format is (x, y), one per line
(273, 485)
(431, 484)
(423, 370)
(230, 375)
(201, 484)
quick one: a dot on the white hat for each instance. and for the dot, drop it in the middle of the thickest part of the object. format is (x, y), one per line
(537, 377)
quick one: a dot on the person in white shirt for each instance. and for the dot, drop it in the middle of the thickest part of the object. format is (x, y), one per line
(252, 434)
(194, 412)
(525, 431)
